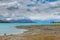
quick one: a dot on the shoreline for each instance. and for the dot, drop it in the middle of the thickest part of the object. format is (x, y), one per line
(19, 31)
(40, 32)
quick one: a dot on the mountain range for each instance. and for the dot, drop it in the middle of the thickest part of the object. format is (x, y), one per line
(18, 21)
(28, 21)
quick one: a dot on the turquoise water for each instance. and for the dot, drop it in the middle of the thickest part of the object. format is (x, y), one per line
(9, 28)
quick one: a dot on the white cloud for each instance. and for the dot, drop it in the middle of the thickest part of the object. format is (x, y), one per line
(45, 11)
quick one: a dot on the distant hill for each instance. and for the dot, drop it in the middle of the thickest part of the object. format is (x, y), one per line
(55, 22)
(17, 21)
(1, 21)
(22, 21)
(26, 20)
(44, 21)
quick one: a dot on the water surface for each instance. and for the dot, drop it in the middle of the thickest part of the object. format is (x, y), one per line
(9, 28)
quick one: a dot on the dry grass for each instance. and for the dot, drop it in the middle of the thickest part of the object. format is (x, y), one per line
(40, 37)
(32, 37)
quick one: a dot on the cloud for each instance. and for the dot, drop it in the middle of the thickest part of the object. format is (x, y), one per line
(41, 11)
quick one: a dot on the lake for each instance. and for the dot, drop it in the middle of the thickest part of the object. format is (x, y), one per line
(9, 28)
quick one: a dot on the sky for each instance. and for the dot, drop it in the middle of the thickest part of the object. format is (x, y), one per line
(30, 9)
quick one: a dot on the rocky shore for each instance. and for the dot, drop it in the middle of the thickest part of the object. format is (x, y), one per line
(38, 32)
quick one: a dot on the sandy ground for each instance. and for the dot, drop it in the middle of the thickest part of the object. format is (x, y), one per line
(41, 32)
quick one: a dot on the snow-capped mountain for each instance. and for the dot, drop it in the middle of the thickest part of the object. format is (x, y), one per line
(31, 9)
(18, 21)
